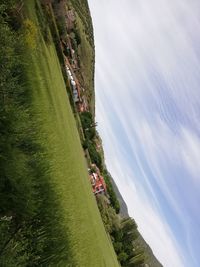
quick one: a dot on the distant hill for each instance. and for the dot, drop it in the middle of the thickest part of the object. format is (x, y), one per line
(151, 260)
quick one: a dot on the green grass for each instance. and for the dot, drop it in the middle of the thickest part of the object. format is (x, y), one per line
(68, 217)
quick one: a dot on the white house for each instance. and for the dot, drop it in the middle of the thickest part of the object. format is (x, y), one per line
(73, 83)
(69, 73)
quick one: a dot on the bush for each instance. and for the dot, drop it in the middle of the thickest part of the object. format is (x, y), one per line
(122, 257)
(110, 219)
(31, 33)
(87, 122)
(113, 198)
(61, 24)
(77, 37)
(95, 155)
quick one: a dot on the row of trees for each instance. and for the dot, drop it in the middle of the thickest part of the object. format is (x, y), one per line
(89, 143)
(123, 240)
(124, 233)
(90, 134)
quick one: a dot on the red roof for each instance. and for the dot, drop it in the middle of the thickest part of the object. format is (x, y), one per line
(98, 183)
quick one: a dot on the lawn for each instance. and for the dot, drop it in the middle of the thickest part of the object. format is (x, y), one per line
(69, 230)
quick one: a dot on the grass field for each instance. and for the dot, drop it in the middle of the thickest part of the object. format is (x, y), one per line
(70, 231)
(89, 243)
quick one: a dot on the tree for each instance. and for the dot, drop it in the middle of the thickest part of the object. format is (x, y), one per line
(122, 257)
(137, 260)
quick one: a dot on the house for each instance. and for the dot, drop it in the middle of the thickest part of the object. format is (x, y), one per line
(75, 96)
(73, 83)
(98, 183)
(69, 73)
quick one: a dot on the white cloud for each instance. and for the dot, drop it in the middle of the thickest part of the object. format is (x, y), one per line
(191, 154)
(151, 224)
(143, 209)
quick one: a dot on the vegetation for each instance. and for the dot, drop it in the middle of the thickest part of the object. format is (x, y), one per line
(87, 56)
(82, 41)
(89, 130)
(82, 9)
(123, 232)
(48, 215)
(112, 195)
(88, 125)
(86, 51)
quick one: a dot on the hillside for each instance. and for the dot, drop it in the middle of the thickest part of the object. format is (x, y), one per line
(48, 214)
(150, 259)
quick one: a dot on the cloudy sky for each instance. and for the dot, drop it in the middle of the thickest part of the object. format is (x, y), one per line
(148, 114)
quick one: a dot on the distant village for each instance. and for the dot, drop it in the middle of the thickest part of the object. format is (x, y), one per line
(78, 93)
(97, 180)
(72, 65)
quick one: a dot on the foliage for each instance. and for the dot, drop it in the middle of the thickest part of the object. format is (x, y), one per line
(138, 259)
(30, 31)
(122, 257)
(113, 198)
(123, 232)
(110, 218)
(61, 24)
(77, 37)
(43, 221)
(89, 130)
(86, 51)
(43, 21)
(123, 240)
(82, 8)
(94, 155)
(87, 122)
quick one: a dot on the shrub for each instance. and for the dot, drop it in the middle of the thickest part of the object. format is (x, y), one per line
(87, 122)
(113, 198)
(122, 257)
(94, 155)
(31, 32)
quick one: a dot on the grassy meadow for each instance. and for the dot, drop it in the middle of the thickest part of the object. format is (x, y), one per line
(48, 214)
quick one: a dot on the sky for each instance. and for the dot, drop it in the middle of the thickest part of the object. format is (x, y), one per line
(147, 82)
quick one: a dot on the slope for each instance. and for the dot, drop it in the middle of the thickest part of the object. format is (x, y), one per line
(65, 228)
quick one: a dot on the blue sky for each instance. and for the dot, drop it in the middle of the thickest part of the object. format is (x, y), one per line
(148, 112)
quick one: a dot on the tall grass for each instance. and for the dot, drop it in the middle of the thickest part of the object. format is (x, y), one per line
(48, 215)
(27, 220)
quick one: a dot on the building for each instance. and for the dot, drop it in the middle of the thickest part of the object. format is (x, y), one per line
(75, 96)
(98, 183)
(73, 83)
